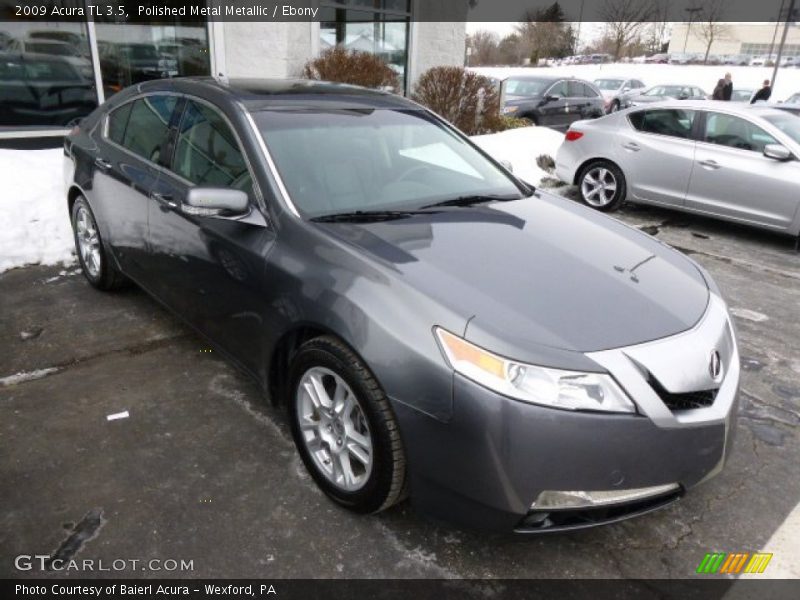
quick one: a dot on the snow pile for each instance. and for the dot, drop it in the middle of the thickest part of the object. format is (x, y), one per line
(703, 76)
(522, 147)
(34, 224)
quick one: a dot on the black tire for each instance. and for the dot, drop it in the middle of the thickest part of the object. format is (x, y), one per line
(386, 483)
(105, 277)
(614, 107)
(614, 201)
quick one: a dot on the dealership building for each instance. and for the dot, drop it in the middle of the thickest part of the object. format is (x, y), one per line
(752, 39)
(54, 72)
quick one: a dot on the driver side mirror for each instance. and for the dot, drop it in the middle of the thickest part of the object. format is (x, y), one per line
(777, 152)
(211, 202)
(626, 89)
(550, 98)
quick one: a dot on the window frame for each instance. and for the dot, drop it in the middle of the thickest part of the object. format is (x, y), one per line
(549, 90)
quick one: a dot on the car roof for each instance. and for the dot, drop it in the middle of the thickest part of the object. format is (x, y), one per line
(719, 105)
(265, 94)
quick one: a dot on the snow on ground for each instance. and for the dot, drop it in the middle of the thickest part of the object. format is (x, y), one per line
(703, 76)
(521, 147)
(34, 225)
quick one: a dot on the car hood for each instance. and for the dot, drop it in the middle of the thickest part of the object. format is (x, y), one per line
(539, 271)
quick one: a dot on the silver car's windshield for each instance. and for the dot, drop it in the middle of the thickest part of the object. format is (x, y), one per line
(345, 160)
(667, 90)
(609, 84)
(788, 124)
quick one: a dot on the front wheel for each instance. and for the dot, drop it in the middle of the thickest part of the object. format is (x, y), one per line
(602, 185)
(614, 107)
(93, 259)
(344, 427)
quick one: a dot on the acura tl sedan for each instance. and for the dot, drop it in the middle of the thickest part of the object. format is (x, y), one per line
(737, 162)
(436, 328)
(551, 101)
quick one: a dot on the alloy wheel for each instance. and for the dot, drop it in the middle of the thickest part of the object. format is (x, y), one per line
(598, 187)
(334, 429)
(88, 241)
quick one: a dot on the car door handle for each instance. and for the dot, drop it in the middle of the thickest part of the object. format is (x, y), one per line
(631, 146)
(710, 164)
(102, 163)
(165, 200)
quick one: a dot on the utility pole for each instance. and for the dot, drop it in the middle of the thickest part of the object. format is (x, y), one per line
(789, 16)
(777, 25)
(578, 34)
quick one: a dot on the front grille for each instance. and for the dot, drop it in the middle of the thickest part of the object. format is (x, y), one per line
(684, 401)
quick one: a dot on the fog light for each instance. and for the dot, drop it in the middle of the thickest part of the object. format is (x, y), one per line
(555, 500)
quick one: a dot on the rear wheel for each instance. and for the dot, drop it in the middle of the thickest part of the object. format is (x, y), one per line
(602, 185)
(614, 106)
(344, 427)
(93, 259)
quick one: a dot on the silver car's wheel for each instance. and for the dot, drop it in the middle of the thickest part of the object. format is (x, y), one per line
(614, 106)
(599, 187)
(334, 429)
(88, 241)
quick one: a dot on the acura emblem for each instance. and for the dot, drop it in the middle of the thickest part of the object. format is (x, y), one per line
(715, 366)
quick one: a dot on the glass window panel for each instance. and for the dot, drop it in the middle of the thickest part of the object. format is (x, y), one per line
(727, 130)
(133, 53)
(46, 75)
(207, 152)
(672, 122)
(118, 121)
(148, 126)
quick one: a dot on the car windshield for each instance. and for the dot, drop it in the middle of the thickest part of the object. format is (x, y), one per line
(346, 160)
(45, 48)
(140, 52)
(789, 124)
(609, 84)
(527, 87)
(667, 90)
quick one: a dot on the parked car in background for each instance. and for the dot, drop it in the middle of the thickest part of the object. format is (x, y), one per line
(551, 101)
(736, 59)
(657, 59)
(69, 52)
(5, 39)
(681, 58)
(41, 89)
(79, 42)
(742, 95)
(126, 64)
(431, 327)
(789, 61)
(722, 159)
(789, 107)
(672, 91)
(617, 91)
(764, 60)
(794, 99)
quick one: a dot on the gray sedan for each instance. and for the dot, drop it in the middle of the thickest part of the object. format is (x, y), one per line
(722, 159)
(427, 320)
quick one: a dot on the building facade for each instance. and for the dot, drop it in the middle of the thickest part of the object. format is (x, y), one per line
(752, 39)
(54, 73)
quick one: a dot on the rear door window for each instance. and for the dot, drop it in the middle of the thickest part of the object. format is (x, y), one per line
(148, 125)
(673, 122)
(118, 121)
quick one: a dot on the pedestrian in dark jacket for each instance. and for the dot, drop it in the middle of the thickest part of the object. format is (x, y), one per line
(719, 91)
(763, 94)
(727, 91)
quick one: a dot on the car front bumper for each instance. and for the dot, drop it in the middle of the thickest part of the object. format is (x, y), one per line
(486, 467)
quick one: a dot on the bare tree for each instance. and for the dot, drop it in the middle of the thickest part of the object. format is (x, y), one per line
(484, 47)
(658, 26)
(624, 20)
(709, 27)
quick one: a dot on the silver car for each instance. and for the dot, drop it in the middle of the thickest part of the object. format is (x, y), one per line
(722, 159)
(617, 91)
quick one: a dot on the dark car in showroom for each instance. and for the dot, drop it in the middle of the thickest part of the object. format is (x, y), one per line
(554, 102)
(40, 89)
(434, 327)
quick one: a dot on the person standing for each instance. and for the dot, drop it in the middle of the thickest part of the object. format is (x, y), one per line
(719, 91)
(727, 90)
(763, 94)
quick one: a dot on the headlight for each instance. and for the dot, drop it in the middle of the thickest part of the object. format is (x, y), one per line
(571, 390)
(510, 109)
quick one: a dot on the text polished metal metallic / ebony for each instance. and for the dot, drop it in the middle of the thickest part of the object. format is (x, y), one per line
(510, 360)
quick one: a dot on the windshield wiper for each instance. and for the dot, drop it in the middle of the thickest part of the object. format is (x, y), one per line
(364, 216)
(472, 199)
